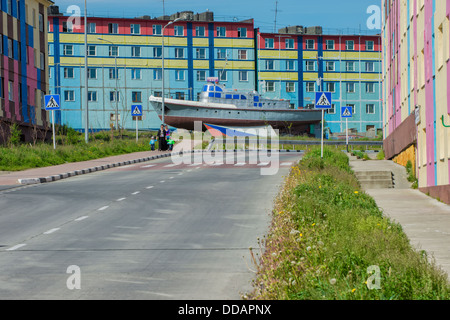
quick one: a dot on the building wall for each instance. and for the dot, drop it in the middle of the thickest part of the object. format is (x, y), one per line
(185, 74)
(416, 73)
(352, 73)
(23, 64)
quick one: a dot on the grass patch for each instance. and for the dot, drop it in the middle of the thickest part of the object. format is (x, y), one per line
(326, 233)
(71, 148)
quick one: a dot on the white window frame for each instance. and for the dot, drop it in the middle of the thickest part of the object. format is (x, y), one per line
(290, 43)
(135, 28)
(68, 74)
(242, 32)
(178, 31)
(200, 53)
(66, 50)
(308, 87)
(328, 64)
(242, 54)
(180, 75)
(290, 65)
(136, 51)
(201, 75)
(157, 29)
(367, 108)
(136, 74)
(111, 51)
(221, 32)
(243, 76)
(177, 53)
(270, 86)
(222, 74)
(269, 43)
(308, 44)
(69, 95)
(92, 96)
(329, 44)
(349, 45)
(290, 86)
(309, 64)
(199, 31)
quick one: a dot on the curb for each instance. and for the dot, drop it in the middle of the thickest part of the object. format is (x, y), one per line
(30, 181)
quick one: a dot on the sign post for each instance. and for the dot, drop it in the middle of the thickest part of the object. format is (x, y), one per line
(323, 101)
(136, 111)
(52, 103)
(346, 112)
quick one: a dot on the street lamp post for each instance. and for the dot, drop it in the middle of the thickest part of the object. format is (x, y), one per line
(86, 125)
(162, 58)
(116, 97)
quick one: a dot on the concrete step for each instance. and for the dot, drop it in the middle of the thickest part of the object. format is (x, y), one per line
(374, 184)
(375, 179)
(362, 174)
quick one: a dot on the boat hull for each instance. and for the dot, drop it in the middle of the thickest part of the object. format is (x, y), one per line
(184, 115)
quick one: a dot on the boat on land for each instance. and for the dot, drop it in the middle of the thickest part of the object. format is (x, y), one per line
(218, 105)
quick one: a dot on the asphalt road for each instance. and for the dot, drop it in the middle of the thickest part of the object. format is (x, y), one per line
(148, 231)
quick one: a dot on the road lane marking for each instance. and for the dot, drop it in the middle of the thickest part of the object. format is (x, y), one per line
(121, 199)
(240, 164)
(262, 164)
(103, 208)
(148, 166)
(81, 218)
(149, 187)
(171, 177)
(135, 193)
(285, 164)
(125, 167)
(171, 165)
(16, 247)
(162, 181)
(51, 231)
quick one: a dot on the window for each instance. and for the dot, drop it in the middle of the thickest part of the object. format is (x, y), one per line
(329, 45)
(310, 87)
(290, 86)
(113, 28)
(69, 73)
(92, 96)
(69, 95)
(221, 32)
(157, 74)
(370, 67)
(370, 87)
(67, 26)
(92, 73)
(41, 22)
(135, 52)
(201, 53)
(349, 45)
(113, 73)
(92, 50)
(242, 32)
(369, 46)
(221, 54)
(350, 66)
(269, 43)
(10, 49)
(157, 52)
(310, 44)
(136, 74)
(179, 53)
(92, 27)
(243, 76)
(179, 75)
(222, 75)
(370, 108)
(331, 87)
(11, 91)
(270, 86)
(157, 29)
(290, 65)
(9, 7)
(135, 28)
(179, 31)
(199, 31)
(310, 66)
(68, 50)
(201, 75)
(289, 43)
(330, 65)
(350, 87)
(242, 54)
(270, 65)
(332, 110)
(353, 107)
(114, 96)
(136, 96)
(113, 51)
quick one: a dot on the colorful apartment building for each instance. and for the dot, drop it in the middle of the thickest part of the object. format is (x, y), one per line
(295, 63)
(280, 65)
(416, 92)
(23, 67)
(127, 54)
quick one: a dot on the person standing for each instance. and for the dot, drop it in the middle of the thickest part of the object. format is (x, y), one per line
(162, 139)
(152, 143)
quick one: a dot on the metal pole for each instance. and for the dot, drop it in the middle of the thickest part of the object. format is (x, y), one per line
(117, 93)
(162, 75)
(346, 132)
(53, 127)
(137, 131)
(86, 125)
(321, 143)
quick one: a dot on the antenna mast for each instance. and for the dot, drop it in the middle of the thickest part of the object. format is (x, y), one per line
(276, 13)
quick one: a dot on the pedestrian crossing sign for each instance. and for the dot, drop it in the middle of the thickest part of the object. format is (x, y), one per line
(136, 111)
(323, 100)
(52, 102)
(346, 112)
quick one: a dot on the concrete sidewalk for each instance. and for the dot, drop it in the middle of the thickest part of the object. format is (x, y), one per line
(425, 221)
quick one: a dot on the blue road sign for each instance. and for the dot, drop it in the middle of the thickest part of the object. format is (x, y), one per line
(136, 111)
(346, 112)
(52, 102)
(323, 100)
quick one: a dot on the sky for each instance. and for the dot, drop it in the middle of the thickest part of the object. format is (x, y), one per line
(330, 14)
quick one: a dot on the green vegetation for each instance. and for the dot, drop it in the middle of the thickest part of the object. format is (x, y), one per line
(325, 235)
(411, 175)
(71, 148)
